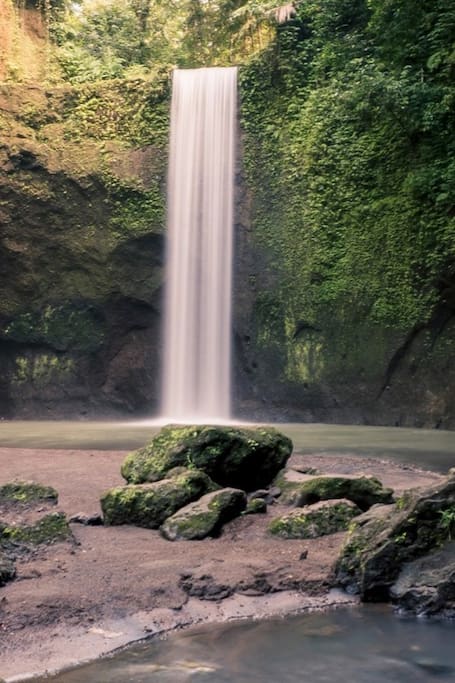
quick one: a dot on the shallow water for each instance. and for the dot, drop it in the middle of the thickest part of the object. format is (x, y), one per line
(363, 645)
(432, 449)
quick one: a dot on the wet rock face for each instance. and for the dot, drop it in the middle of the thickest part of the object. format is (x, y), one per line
(385, 540)
(427, 585)
(241, 458)
(82, 257)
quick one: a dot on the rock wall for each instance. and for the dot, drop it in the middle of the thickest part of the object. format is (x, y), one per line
(81, 206)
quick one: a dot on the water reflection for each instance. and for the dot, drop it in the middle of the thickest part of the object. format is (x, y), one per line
(366, 645)
(427, 448)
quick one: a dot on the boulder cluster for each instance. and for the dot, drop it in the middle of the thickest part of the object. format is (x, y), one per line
(405, 553)
(191, 480)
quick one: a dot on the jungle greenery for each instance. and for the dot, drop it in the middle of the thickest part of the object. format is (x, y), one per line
(348, 113)
(349, 149)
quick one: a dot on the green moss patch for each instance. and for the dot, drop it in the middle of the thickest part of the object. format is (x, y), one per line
(50, 529)
(27, 493)
(320, 519)
(256, 506)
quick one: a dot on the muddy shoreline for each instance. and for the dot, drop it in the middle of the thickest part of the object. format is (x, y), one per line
(107, 587)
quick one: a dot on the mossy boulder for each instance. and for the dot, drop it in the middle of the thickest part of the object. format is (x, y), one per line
(49, 529)
(256, 506)
(384, 539)
(302, 489)
(27, 493)
(148, 505)
(312, 521)
(205, 517)
(7, 569)
(233, 457)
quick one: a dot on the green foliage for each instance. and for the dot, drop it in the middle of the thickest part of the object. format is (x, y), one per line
(349, 156)
(43, 369)
(447, 521)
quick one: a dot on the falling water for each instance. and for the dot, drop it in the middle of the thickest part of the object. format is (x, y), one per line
(197, 338)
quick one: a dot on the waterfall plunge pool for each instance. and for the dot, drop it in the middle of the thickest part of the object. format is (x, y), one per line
(429, 449)
(363, 645)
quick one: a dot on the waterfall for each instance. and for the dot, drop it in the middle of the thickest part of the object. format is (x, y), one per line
(197, 333)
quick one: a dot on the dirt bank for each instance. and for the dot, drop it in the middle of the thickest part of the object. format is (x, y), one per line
(109, 586)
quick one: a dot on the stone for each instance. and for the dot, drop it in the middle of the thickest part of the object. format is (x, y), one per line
(269, 495)
(49, 529)
(312, 521)
(384, 539)
(27, 493)
(205, 517)
(240, 458)
(7, 569)
(86, 520)
(256, 506)
(302, 489)
(426, 586)
(148, 505)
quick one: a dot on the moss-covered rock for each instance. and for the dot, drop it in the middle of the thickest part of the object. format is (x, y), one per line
(241, 458)
(256, 506)
(148, 505)
(205, 517)
(7, 569)
(300, 489)
(383, 539)
(27, 493)
(320, 519)
(49, 529)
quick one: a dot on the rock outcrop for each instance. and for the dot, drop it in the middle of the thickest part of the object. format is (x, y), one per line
(392, 551)
(426, 586)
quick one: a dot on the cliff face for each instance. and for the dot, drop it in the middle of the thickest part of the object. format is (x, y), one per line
(81, 207)
(344, 302)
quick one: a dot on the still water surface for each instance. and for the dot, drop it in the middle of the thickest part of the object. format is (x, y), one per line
(363, 645)
(432, 449)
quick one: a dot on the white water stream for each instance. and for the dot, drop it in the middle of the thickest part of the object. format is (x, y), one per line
(197, 335)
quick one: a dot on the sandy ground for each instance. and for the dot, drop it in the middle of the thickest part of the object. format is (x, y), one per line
(76, 600)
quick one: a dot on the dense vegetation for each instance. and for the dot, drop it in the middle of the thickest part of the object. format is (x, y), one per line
(349, 119)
